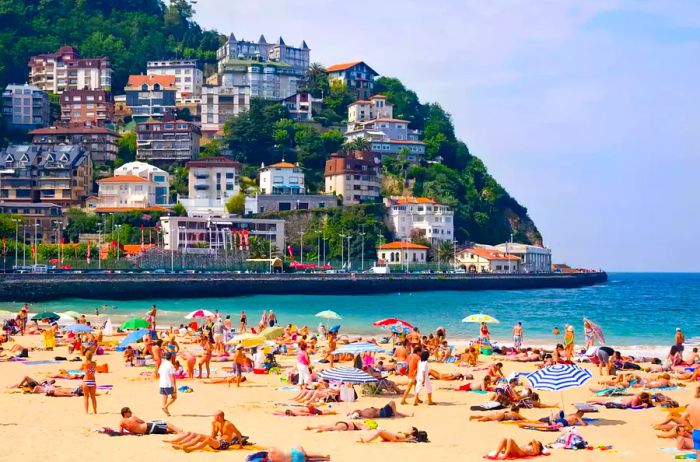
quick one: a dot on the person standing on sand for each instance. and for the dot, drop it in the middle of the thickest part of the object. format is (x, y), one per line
(152, 316)
(167, 382)
(680, 340)
(423, 379)
(588, 333)
(272, 319)
(263, 320)
(157, 354)
(569, 339)
(332, 345)
(206, 356)
(89, 384)
(518, 335)
(303, 362)
(413, 361)
(691, 417)
(244, 322)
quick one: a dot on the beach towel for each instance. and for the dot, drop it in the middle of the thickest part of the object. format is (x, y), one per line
(105, 387)
(112, 432)
(38, 363)
(488, 406)
(585, 407)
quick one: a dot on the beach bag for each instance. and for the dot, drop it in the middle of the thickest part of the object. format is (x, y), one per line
(421, 436)
(571, 439)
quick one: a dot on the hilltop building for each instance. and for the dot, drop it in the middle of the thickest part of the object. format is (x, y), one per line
(409, 217)
(298, 58)
(188, 77)
(150, 96)
(86, 107)
(301, 106)
(167, 141)
(355, 75)
(212, 182)
(355, 176)
(135, 185)
(24, 107)
(271, 80)
(65, 70)
(99, 141)
(220, 104)
(281, 178)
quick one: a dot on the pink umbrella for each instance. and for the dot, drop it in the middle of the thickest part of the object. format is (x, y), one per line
(199, 314)
(388, 322)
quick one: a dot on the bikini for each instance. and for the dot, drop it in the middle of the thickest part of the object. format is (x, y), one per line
(90, 383)
(296, 455)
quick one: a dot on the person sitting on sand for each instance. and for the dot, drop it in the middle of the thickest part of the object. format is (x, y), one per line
(221, 437)
(469, 357)
(129, 356)
(132, 424)
(389, 437)
(342, 426)
(30, 383)
(509, 449)
(499, 416)
(496, 371)
(18, 350)
(682, 435)
(565, 420)
(322, 392)
(388, 411)
(297, 454)
(638, 401)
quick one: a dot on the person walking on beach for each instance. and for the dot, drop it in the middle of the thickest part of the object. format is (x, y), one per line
(218, 333)
(263, 320)
(413, 361)
(272, 319)
(680, 340)
(244, 322)
(303, 362)
(152, 317)
(518, 335)
(89, 384)
(157, 354)
(332, 345)
(167, 382)
(206, 356)
(423, 379)
(569, 343)
(484, 331)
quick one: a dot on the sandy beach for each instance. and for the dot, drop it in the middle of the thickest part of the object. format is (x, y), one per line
(37, 426)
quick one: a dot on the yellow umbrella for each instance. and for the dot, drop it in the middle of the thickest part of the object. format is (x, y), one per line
(247, 340)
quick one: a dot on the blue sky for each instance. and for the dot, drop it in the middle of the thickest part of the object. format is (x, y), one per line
(587, 112)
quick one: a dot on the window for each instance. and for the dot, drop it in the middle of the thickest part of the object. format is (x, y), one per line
(229, 175)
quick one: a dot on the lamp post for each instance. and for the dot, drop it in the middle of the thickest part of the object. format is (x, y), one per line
(454, 255)
(181, 229)
(363, 248)
(118, 249)
(324, 249)
(342, 248)
(99, 245)
(16, 220)
(24, 245)
(301, 246)
(172, 246)
(36, 238)
(318, 247)
(270, 234)
(348, 259)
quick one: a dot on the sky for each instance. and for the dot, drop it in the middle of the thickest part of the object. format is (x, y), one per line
(586, 112)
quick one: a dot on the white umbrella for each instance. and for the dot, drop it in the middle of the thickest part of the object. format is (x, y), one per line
(199, 314)
(328, 314)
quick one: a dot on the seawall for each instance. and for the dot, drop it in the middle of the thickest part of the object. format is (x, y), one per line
(42, 287)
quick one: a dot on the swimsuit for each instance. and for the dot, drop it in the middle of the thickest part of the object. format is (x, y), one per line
(696, 439)
(386, 412)
(159, 427)
(296, 455)
(517, 339)
(223, 445)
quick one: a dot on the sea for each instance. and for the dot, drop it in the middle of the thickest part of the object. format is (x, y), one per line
(637, 311)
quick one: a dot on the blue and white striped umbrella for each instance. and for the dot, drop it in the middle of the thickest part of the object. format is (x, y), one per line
(558, 377)
(360, 347)
(78, 328)
(346, 374)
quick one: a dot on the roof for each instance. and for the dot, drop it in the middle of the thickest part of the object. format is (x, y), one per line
(138, 80)
(218, 161)
(489, 254)
(378, 96)
(130, 209)
(398, 245)
(123, 179)
(390, 120)
(413, 200)
(342, 66)
(283, 165)
(72, 131)
(361, 101)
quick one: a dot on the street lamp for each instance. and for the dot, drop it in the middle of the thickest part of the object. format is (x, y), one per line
(301, 246)
(342, 249)
(117, 227)
(36, 238)
(184, 248)
(99, 245)
(16, 220)
(318, 247)
(363, 247)
(324, 249)
(24, 245)
(348, 260)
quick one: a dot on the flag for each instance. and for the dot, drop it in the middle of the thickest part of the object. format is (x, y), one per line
(239, 233)
(245, 239)
(88, 253)
(142, 238)
(289, 249)
(33, 251)
(4, 246)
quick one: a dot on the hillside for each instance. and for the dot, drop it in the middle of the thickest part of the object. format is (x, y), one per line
(130, 32)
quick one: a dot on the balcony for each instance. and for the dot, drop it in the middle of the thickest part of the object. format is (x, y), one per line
(201, 187)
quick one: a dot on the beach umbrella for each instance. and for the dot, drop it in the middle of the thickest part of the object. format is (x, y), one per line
(388, 322)
(247, 340)
(271, 333)
(134, 323)
(133, 337)
(597, 331)
(360, 347)
(64, 320)
(334, 329)
(51, 316)
(346, 374)
(480, 317)
(72, 314)
(199, 314)
(559, 377)
(81, 328)
(328, 315)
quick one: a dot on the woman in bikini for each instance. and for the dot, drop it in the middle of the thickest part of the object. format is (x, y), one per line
(341, 426)
(389, 437)
(206, 356)
(509, 449)
(89, 384)
(588, 333)
(500, 416)
(569, 339)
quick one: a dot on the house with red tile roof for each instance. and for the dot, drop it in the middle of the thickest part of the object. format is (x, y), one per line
(151, 96)
(401, 253)
(355, 75)
(486, 259)
(281, 178)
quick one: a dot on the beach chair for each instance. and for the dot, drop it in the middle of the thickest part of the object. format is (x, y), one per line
(616, 391)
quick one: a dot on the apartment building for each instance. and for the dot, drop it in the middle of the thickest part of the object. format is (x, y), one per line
(24, 107)
(167, 141)
(220, 104)
(281, 178)
(66, 70)
(355, 176)
(409, 217)
(151, 96)
(188, 76)
(301, 106)
(86, 107)
(355, 75)
(101, 142)
(134, 186)
(298, 58)
(269, 80)
(40, 222)
(212, 182)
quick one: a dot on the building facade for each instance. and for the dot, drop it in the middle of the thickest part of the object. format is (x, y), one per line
(99, 141)
(534, 259)
(220, 104)
(167, 141)
(151, 96)
(355, 176)
(281, 178)
(486, 260)
(187, 232)
(299, 58)
(269, 80)
(65, 70)
(301, 106)
(160, 179)
(261, 203)
(408, 217)
(401, 253)
(188, 77)
(355, 75)
(42, 222)
(25, 107)
(87, 107)
(60, 174)
(135, 185)
(212, 182)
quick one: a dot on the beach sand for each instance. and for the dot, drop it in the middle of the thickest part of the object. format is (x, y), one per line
(37, 427)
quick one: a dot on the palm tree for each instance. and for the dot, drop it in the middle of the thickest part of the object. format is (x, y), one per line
(357, 144)
(445, 251)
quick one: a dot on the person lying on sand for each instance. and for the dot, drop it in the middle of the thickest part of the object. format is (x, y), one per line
(484, 385)
(673, 420)
(221, 437)
(322, 392)
(451, 376)
(64, 374)
(30, 383)
(132, 424)
(638, 401)
(682, 435)
(565, 420)
(688, 376)
(389, 437)
(662, 381)
(308, 411)
(297, 454)
(499, 416)
(341, 426)
(509, 449)
(227, 380)
(388, 411)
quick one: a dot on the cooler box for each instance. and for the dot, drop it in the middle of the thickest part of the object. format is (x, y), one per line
(486, 350)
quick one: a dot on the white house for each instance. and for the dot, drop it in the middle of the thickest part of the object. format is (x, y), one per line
(135, 185)
(400, 253)
(212, 182)
(281, 178)
(486, 260)
(409, 216)
(535, 259)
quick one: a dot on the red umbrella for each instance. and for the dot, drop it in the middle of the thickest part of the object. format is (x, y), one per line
(392, 322)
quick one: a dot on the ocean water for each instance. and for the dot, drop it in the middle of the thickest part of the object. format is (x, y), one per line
(634, 309)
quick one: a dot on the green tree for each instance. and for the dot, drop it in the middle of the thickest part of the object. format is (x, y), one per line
(236, 204)
(250, 134)
(357, 144)
(80, 222)
(332, 141)
(211, 149)
(179, 210)
(127, 147)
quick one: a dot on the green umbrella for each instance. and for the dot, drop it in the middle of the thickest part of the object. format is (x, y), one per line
(272, 333)
(135, 323)
(45, 315)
